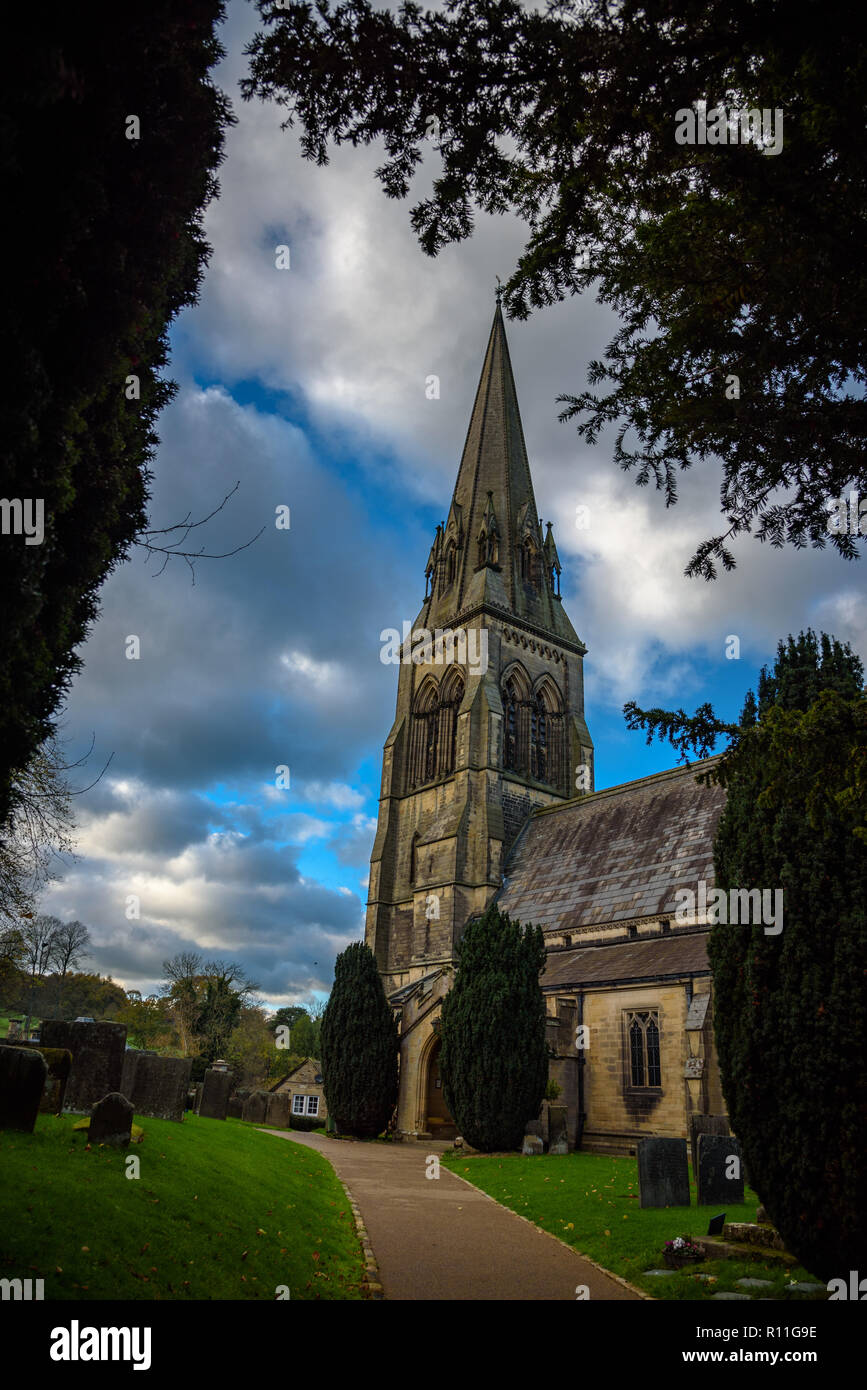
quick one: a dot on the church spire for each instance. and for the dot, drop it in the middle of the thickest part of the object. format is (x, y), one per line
(506, 566)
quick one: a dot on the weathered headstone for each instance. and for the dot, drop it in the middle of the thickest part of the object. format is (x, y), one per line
(559, 1146)
(663, 1173)
(111, 1121)
(22, 1077)
(532, 1144)
(197, 1096)
(59, 1063)
(157, 1086)
(234, 1107)
(216, 1088)
(255, 1108)
(720, 1176)
(704, 1124)
(556, 1124)
(97, 1059)
(277, 1113)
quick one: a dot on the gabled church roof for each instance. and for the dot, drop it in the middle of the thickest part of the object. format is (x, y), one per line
(614, 855)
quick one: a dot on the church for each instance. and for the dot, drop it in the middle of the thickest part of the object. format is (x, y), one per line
(488, 793)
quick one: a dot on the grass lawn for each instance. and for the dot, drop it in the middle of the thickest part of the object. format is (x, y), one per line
(219, 1211)
(591, 1202)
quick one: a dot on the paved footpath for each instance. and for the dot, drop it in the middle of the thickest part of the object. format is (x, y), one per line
(440, 1238)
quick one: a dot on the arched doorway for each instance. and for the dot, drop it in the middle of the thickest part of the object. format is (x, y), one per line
(438, 1121)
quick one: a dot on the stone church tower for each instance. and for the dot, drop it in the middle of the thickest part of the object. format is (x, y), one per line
(489, 725)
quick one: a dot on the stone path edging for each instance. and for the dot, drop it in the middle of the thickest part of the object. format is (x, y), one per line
(372, 1286)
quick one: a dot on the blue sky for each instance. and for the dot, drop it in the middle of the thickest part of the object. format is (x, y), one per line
(307, 387)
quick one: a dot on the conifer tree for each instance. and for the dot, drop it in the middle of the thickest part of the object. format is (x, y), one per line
(790, 1006)
(359, 1047)
(494, 1058)
(790, 1012)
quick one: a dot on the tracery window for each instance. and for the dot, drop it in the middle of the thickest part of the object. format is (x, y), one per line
(533, 729)
(433, 732)
(642, 1029)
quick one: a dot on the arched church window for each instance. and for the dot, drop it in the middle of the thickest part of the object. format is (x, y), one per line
(510, 727)
(433, 732)
(451, 563)
(546, 735)
(413, 859)
(539, 742)
(643, 1037)
(450, 702)
(529, 565)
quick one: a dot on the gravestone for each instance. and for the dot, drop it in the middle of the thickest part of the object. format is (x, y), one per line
(59, 1063)
(111, 1121)
(277, 1113)
(556, 1124)
(559, 1146)
(157, 1086)
(704, 1124)
(255, 1108)
(234, 1107)
(215, 1094)
(97, 1059)
(532, 1144)
(197, 1096)
(715, 1155)
(663, 1173)
(22, 1077)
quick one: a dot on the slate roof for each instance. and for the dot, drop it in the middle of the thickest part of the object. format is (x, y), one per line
(679, 954)
(615, 855)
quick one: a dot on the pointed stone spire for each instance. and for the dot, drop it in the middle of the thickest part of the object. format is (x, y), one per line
(511, 571)
(494, 471)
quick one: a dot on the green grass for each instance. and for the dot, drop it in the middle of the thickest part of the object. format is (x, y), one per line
(219, 1211)
(591, 1202)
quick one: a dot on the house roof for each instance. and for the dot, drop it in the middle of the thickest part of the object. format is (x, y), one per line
(284, 1079)
(614, 855)
(682, 953)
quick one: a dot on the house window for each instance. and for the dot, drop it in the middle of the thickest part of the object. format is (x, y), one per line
(298, 1105)
(642, 1030)
(312, 1105)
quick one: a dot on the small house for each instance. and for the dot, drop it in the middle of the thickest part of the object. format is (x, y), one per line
(304, 1086)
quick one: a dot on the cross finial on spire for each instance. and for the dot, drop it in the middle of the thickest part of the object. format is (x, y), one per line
(499, 290)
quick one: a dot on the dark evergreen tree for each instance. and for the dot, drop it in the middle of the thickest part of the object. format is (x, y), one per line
(359, 1047)
(110, 137)
(790, 1009)
(494, 1058)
